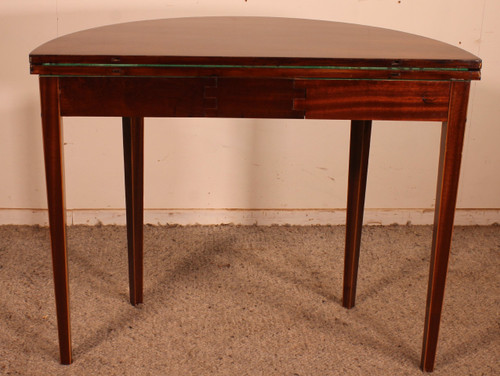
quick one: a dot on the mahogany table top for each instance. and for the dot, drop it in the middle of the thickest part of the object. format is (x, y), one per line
(251, 41)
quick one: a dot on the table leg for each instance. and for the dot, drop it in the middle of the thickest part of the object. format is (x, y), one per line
(133, 147)
(452, 137)
(54, 172)
(358, 168)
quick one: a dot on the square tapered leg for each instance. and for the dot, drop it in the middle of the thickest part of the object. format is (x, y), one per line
(358, 169)
(133, 147)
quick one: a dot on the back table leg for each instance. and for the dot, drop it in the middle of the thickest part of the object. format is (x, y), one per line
(133, 147)
(54, 173)
(358, 168)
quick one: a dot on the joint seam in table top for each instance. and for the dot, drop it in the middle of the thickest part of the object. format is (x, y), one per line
(278, 78)
(122, 65)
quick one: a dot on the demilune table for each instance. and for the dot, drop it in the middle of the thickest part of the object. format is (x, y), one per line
(254, 67)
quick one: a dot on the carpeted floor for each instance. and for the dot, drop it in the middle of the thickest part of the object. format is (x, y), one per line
(248, 300)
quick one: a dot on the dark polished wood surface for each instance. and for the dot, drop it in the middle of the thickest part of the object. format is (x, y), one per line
(254, 67)
(227, 39)
(254, 41)
(52, 131)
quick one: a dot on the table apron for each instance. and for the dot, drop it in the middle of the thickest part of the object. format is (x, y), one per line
(247, 97)
(374, 99)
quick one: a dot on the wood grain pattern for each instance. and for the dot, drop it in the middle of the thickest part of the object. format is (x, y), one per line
(258, 98)
(187, 97)
(374, 100)
(133, 97)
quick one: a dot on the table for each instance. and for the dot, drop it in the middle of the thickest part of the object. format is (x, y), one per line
(254, 67)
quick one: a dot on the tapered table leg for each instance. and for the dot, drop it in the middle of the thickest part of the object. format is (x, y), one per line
(452, 138)
(54, 172)
(358, 168)
(133, 147)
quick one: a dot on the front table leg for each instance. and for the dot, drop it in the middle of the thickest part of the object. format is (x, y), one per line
(54, 172)
(133, 148)
(452, 137)
(358, 169)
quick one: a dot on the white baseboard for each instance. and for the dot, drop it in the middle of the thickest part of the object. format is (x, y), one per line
(463, 217)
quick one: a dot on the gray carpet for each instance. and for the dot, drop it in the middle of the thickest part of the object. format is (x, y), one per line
(248, 300)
